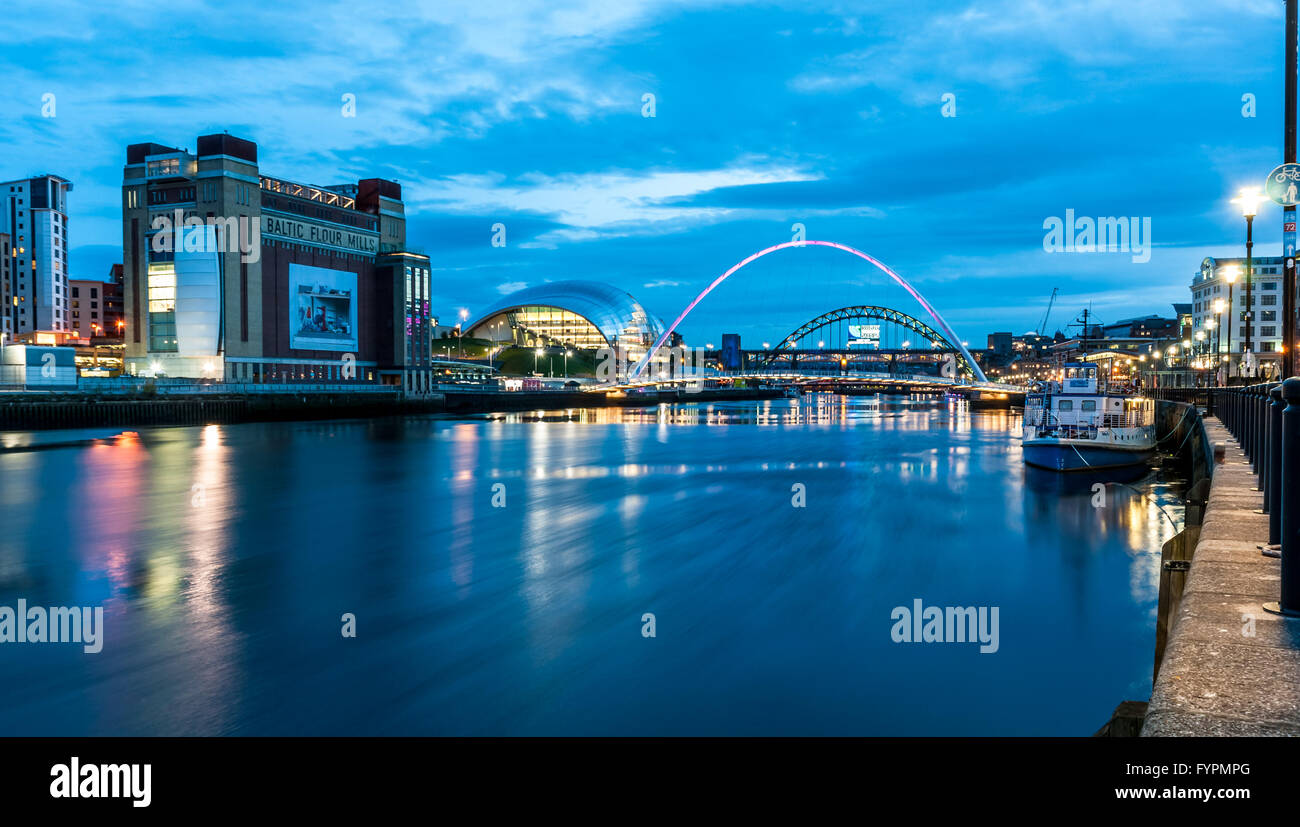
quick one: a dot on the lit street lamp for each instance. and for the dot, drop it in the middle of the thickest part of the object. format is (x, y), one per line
(1230, 276)
(1249, 200)
(536, 354)
(1218, 323)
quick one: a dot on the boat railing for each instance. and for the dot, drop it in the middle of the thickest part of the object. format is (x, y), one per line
(1045, 420)
(1127, 419)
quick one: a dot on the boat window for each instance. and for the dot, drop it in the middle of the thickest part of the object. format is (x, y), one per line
(1088, 405)
(1070, 373)
(1065, 405)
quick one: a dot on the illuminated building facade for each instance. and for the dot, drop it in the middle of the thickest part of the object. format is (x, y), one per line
(232, 274)
(34, 273)
(582, 315)
(1225, 329)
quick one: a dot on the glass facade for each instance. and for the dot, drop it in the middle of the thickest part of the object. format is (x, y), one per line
(416, 308)
(578, 314)
(162, 307)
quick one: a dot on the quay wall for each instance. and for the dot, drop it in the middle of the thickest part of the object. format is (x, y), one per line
(48, 411)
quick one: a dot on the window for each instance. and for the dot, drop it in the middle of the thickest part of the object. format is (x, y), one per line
(1065, 405)
(76, 293)
(1088, 405)
(167, 166)
(1268, 330)
(1269, 300)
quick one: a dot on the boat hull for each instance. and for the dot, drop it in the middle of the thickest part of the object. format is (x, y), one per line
(1082, 455)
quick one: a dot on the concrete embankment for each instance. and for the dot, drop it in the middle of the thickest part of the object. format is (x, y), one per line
(1182, 435)
(29, 411)
(1230, 668)
(51, 411)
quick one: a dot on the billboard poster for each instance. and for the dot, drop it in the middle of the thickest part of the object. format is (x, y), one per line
(864, 335)
(322, 308)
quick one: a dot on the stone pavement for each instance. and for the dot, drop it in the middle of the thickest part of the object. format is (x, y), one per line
(1230, 667)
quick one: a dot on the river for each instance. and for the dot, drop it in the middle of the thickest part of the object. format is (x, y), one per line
(711, 569)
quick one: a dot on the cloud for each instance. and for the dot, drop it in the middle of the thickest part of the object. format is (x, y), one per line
(600, 204)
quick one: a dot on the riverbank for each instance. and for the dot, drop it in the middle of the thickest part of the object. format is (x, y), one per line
(1230, 668)
(46, 411)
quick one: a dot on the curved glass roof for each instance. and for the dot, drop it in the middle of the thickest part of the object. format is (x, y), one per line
(614, 312)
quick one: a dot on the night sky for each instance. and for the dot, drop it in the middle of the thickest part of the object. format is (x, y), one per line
(825, 114)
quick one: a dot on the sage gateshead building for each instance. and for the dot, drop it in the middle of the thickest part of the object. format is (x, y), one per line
(232, 274)
(583, 315)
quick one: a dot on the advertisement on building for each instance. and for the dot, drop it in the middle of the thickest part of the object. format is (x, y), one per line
(323, 308)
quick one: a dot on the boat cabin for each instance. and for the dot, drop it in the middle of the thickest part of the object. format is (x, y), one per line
(1079, 377)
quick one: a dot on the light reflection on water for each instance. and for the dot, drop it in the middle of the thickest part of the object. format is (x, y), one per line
(225, 557)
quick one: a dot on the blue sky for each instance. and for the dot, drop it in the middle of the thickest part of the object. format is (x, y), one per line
(766, 114)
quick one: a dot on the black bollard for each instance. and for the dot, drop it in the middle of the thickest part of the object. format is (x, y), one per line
(1264, 444)
(1269, 458)
(1289, 503)
(1257, 448)
(1247, 427)
(1273, 492)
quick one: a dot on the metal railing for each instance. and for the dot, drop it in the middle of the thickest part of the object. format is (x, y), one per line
(130, 386)
(1265, 420)
(1043, 418)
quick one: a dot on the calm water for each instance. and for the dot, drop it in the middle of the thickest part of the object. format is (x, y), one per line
(225, 557)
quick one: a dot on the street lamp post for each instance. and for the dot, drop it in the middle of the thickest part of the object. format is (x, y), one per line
(567, 354)
(1218, 339)
(1200, 348)
(536, 354)
(1231, 276)
(1249, 199)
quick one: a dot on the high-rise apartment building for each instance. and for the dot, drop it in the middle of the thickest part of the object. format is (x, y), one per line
(34, 275)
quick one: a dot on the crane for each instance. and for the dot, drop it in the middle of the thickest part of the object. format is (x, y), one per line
(1042, 326)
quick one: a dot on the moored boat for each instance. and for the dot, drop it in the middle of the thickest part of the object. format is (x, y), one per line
(1079, 424)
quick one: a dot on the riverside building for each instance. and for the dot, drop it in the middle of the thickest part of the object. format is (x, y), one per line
(233, 274)
(1223, 334)
(34, 273)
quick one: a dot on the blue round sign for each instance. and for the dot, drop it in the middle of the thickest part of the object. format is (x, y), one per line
(1283, 185)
